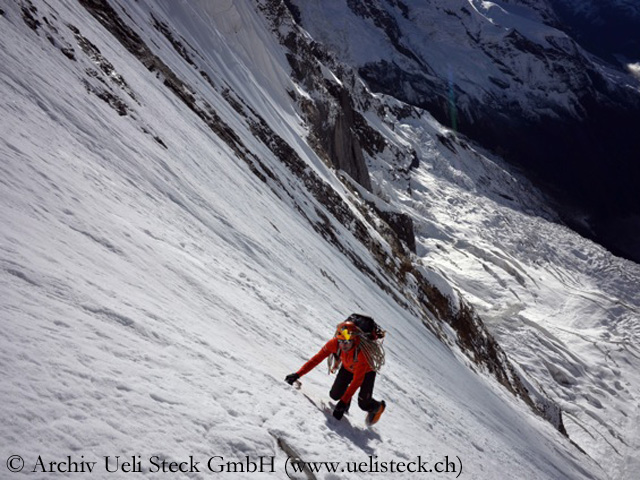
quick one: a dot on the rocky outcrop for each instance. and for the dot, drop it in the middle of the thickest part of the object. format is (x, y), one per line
(336, 126)
(336, 138)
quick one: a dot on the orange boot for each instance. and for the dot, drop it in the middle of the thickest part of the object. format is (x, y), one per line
(374, 416)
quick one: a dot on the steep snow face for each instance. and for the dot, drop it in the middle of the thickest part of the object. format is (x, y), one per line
(252, 59)
(511, 76)
(161, 269)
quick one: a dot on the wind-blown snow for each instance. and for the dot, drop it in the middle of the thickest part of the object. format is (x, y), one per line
(154, 292)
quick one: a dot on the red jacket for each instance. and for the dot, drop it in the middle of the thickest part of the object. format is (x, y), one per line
(353, 361)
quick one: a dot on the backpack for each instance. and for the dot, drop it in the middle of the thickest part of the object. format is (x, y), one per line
(368, 326)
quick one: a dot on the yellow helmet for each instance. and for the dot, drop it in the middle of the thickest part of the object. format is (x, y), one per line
(347, 331)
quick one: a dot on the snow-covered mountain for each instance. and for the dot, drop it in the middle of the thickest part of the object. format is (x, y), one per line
(520, 77)
(195, 193)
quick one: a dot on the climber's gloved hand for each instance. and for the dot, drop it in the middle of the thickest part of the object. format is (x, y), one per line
(291, 378)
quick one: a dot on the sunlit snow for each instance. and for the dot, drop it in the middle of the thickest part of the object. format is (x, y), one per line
(154, 292)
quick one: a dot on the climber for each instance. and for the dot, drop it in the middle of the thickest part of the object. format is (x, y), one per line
(357, 355)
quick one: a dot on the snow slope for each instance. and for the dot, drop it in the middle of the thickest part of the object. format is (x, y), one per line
(155, 291)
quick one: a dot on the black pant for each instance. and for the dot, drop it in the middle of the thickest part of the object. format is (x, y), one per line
(365, 397)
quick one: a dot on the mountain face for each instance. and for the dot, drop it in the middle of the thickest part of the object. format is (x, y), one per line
(519, 77)
(195, 193)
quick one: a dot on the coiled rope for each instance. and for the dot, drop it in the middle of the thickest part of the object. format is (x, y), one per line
(373, 352)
